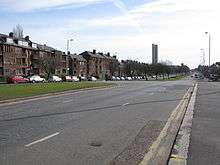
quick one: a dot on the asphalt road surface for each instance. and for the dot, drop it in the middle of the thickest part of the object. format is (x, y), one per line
(114, 125)
(204, 146)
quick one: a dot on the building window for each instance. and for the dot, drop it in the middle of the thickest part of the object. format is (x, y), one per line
(18, 71)
(19, 61)
(64, 58)
(7, 72)
(1, 59)
(23, 61)
(1, 71)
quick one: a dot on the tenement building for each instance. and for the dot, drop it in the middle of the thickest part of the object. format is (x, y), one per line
(77, 65)
(21, 56)
(24, 57)
(98, 64)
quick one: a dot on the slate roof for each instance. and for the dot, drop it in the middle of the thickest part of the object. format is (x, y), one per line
(78, 57)
(45, 47)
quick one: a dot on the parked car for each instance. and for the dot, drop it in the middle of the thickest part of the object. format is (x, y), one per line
(83, 78)
(122, 78)
(68, 78)
(113, 78)
(118, 78)
(128, 78)
(36, 78)
(18, 79)
(75, 79)
(55, 79)
(92, 78)
(71, 79)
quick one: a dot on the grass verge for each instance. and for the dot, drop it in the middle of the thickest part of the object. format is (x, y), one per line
(13, 91)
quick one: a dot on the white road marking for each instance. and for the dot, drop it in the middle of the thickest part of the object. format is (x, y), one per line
(125, 104)
(67, 101)
(43, 139)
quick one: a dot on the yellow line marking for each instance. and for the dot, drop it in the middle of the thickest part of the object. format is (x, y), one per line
(173, 156)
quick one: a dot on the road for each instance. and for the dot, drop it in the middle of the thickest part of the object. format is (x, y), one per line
(88, 127)
(204, 146)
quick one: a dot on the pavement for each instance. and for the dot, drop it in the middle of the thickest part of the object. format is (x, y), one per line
(204, 148)
(88, 127)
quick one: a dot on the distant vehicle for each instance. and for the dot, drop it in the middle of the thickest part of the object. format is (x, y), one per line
(18, 79)
(92, 78)
(122, 78)
(55, 79)
(118, 78)
(83, 78)
(113, 78)
(36, 78)
(214, 77)
(68, 78)
(71, 79)
(129, 78)
(75, 79)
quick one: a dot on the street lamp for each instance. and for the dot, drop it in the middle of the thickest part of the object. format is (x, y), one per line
(67, 46)
(209, 45)
(203, 56)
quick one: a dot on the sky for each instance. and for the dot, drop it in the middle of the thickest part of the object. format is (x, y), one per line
(126, 28)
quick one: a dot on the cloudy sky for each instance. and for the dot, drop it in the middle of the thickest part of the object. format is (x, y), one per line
(125, 27)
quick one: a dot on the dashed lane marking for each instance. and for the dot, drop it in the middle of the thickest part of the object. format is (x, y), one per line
(43, 139)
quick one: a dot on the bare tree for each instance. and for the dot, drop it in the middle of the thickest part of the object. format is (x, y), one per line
(49, 65)
(18, 31)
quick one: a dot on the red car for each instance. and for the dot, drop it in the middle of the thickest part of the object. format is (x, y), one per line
(18, 79)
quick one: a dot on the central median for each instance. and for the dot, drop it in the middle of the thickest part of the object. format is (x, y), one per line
(15, 91)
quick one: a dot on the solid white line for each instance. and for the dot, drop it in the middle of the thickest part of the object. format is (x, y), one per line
(125, 104)
(43, 139)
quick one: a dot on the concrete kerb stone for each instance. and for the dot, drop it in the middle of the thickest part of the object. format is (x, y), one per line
(180, 148)
(160, 150)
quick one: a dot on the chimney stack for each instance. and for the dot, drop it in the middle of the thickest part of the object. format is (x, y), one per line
(27, 38)
(11, 34)
(94, 51)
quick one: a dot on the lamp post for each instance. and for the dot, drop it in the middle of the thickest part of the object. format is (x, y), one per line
(209, 46)
(67, 46)
(203, 56)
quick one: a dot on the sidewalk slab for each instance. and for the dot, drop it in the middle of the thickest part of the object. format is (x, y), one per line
(204, 148)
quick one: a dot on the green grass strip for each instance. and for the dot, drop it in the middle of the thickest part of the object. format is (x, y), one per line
(12, 91)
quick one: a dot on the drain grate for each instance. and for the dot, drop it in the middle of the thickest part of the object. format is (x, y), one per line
(96, 144)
